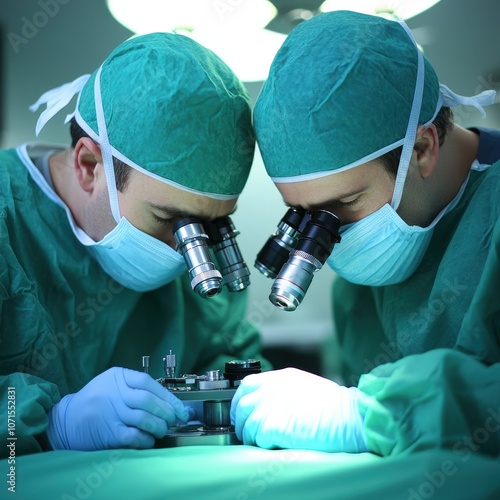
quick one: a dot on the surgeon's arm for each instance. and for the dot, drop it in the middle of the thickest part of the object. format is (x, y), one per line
(439, 399)
(25, 402)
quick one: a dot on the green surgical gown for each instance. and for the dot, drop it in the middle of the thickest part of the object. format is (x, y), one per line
(428, 349)
(63, 320)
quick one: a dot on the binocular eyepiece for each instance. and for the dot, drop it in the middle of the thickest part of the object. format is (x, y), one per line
(197, 241)
(300, 247)
(275, 252)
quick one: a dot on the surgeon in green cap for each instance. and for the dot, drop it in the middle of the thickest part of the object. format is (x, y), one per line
(353, 120)
(90, 279)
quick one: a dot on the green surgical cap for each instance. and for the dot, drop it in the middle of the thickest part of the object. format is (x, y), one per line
(339, 93)
(175, 111)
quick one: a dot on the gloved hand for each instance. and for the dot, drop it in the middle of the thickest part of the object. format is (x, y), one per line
(291, 408)
(119, 408)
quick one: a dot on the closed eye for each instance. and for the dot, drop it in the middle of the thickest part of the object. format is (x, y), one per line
(351, 203)
(160, 220)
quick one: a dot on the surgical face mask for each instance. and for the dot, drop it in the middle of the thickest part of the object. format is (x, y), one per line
(135, 259)
(382, 249)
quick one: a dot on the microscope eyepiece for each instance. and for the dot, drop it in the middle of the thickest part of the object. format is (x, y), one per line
(232, 266)
(277, 249)
(313, 248)
(192, 244)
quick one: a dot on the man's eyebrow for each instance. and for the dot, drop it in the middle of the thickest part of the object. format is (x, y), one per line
(330, 201)
(170, 211)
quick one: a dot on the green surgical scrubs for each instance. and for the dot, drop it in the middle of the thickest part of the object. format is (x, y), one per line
(63, 320)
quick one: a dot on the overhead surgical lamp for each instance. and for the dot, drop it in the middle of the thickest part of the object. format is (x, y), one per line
(233, 29)
(403, 9)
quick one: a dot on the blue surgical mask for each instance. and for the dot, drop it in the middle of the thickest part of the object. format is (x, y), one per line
(133, 258)
(382, 249)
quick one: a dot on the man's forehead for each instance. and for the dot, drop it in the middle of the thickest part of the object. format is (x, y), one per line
(212, 209)
(313, 193)
(175, 201)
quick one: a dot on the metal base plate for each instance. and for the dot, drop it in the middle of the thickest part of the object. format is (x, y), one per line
(194, 435)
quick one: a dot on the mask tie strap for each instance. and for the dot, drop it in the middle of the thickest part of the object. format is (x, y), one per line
(107, 157)
(56, 99)
(411, 130)
(450, 99)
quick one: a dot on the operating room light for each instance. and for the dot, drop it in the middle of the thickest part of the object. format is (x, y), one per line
(403, 9)
(233, 29)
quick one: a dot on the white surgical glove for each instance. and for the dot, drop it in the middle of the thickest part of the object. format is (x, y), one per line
(291, 408)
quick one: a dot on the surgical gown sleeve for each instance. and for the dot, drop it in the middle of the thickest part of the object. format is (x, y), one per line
(439, 399)
(25, 400)
(24, 397)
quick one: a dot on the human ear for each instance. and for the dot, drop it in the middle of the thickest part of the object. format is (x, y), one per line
(87, 155)
(427, 149)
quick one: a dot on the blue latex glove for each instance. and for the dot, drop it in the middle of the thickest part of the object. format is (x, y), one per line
(291, 408)
(119, 408)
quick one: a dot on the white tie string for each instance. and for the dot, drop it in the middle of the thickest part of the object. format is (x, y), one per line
(56, 99)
